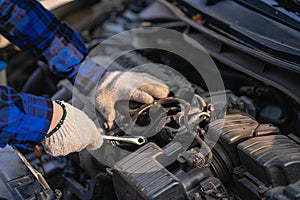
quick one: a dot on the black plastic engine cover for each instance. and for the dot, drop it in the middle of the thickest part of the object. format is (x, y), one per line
(235, 128)
(16, 181)
(140, 176)
(274, 159)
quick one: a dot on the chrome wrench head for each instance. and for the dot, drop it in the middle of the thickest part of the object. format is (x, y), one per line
(138, 140)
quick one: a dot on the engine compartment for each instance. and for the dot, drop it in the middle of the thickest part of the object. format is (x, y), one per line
(193, 150)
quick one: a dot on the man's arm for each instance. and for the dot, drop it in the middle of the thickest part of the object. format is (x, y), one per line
(27, 120)
(30, 26)
(24, 119)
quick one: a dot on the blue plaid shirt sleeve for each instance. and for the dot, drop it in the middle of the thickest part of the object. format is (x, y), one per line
(27, 24)
(24, 119)
(33, 28)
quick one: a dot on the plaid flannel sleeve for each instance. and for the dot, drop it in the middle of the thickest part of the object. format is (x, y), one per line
(33, 28)
(24, 119)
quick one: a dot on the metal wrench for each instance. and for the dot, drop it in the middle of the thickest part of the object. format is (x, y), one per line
(138, 140)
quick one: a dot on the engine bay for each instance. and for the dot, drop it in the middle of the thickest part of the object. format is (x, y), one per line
(185, 146)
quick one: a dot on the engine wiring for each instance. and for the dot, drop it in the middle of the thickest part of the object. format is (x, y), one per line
(180, 117)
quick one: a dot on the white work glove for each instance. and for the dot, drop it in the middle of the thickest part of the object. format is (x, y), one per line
(129, 85)
(77, 132)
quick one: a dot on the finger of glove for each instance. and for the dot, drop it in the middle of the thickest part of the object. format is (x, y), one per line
(108, 113)
(142, 97)
(96, 142)
(105, 105)
(155, 89)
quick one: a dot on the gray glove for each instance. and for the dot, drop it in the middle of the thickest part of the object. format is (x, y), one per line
(77, 132)
(135, 86)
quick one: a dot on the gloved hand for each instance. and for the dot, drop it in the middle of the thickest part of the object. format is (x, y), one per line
(135, 86)
(77, 132)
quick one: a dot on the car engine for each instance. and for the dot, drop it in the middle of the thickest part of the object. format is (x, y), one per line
(185, 146)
